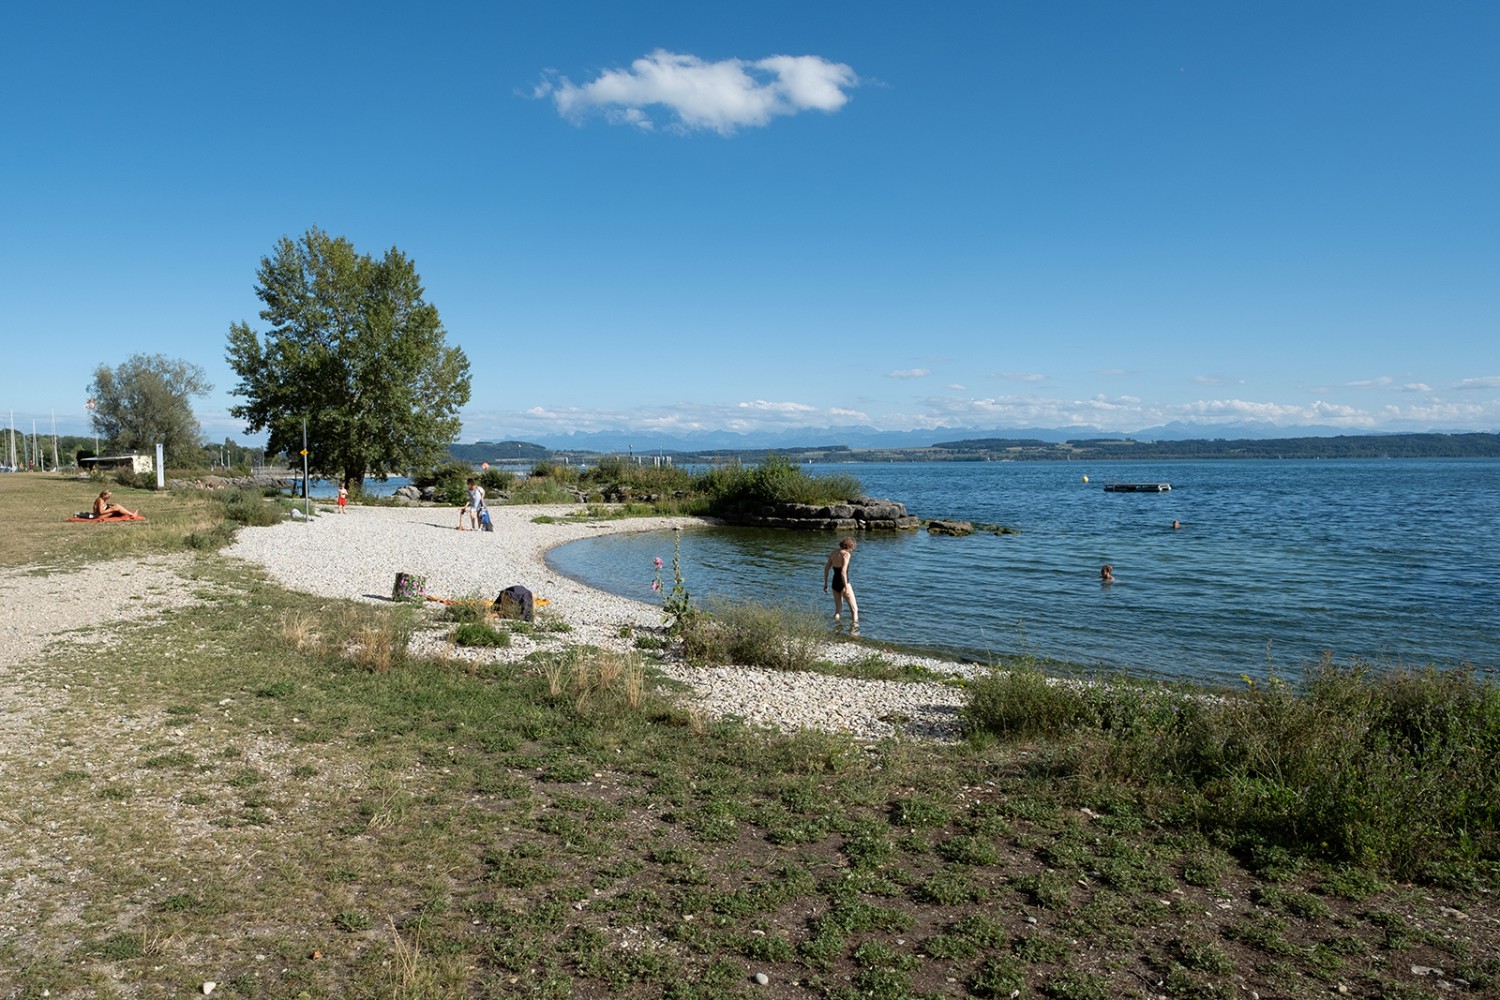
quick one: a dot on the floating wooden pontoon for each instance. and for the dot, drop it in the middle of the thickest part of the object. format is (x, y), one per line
(1138, 488)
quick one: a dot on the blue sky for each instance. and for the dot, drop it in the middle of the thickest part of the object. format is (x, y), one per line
(679, 217)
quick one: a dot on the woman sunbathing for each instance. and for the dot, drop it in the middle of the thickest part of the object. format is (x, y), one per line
(104, 508)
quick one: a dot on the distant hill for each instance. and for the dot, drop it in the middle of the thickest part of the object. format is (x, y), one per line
(1464, 445)
(1337, 446)
(498, 451)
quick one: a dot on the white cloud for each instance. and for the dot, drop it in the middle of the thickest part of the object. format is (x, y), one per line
(716, 96)
(1370, 383)
(956, 387)
(1020, 376)
(909, 373)
(1121, 414)
(766, 406)
(1415, 387)
(1487, 382)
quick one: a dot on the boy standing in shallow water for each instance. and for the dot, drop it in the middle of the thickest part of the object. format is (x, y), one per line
(838, 565)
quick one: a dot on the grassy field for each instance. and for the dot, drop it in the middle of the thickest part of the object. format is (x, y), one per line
(263, 790)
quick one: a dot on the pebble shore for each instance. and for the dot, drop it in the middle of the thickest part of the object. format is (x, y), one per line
(357, 555)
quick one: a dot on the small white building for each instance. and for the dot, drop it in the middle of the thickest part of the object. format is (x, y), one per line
(135, 462)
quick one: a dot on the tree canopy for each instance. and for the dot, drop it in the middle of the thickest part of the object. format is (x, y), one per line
(148, 401)
(356, 351)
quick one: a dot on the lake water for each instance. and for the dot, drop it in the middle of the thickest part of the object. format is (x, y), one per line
(1276, 564)
(327, 489)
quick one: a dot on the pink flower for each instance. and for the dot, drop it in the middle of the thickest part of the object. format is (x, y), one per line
(655, 584)
(657, 560)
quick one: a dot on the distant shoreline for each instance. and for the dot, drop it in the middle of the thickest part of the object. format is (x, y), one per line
(1019, 449)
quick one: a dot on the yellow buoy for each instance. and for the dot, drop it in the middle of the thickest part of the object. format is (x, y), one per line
(1085, 478)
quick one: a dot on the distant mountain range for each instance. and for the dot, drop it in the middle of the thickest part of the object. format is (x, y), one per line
(626, 442)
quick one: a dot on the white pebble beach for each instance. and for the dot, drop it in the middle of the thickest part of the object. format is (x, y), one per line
(357, 555)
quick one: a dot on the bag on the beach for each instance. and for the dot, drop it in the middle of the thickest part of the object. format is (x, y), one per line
(409, 587)
(484, 519)
(515, 602)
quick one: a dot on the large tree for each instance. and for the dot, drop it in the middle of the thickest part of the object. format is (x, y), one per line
(356, 352)
(148, 401)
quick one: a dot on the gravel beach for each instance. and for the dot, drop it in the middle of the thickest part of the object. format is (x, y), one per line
(358, 554)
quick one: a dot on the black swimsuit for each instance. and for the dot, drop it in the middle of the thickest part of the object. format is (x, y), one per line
(838, 581)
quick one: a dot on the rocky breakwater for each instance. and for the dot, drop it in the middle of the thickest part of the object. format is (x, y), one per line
(860, 514)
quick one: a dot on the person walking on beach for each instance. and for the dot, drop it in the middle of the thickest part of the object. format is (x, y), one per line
(838, 565)
(472, 506)
(343, 498)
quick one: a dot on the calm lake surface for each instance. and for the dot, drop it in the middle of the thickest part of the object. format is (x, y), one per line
(1276, 564)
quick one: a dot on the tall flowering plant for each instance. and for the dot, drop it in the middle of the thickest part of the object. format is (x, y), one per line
(677, 604)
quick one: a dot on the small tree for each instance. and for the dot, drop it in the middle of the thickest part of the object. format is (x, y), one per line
(356, 352)
(148, 401)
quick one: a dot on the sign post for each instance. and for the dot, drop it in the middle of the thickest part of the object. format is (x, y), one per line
(306, 494)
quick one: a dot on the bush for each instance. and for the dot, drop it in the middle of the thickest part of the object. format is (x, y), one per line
(479, 634)
(1021, 702)
(449, 482)
(541, 491)
(776, 480)
(613, 474)
(753, 635)
(1396, 770)
(250, 508)
(496, 480)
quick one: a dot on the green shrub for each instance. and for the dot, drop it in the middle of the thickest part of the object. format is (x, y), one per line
(251, 508)
(541, 490)
(497, 480)
(776, 480)
(1021, 702)
(613, 474)
(1396, 771)
(480, 634)
(752, 635)
(470, 609)
(449, 482)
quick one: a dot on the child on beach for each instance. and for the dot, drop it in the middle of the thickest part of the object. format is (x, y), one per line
(838, 565)
(472, 507)
(343, 498)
